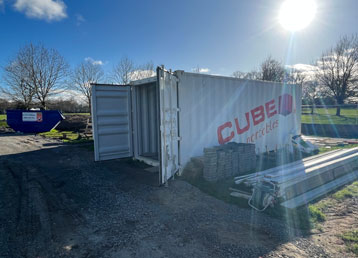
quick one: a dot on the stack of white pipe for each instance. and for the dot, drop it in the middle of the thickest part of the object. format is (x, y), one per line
(288, 175)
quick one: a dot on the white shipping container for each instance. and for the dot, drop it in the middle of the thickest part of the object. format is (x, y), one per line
(167, 119)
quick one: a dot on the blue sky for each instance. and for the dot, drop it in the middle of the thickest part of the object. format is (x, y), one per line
(222, 36)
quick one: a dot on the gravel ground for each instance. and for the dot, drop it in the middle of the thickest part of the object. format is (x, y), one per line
(57, 202)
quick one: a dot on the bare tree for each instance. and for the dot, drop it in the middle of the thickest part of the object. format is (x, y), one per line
(122, 72)
(338, 70)
(309, 87)
(85, 74)
(253, 75)
(197, 69)
(126, 71)
(311, 91)
(239, 75)
(46, 70)
(272, 70)
(4, 105)
(18, 87)
(143, 71)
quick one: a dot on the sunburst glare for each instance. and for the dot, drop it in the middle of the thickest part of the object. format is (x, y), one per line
(297, 14)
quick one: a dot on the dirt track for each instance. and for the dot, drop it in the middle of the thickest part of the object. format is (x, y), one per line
(57, 202)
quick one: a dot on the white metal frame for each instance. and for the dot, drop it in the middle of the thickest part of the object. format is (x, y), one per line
(169, 119)
(94, 122)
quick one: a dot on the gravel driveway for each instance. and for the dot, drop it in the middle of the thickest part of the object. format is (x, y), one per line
(57, 202)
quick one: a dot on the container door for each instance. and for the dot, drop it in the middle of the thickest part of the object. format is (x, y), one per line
(111, 120)
(168, 103)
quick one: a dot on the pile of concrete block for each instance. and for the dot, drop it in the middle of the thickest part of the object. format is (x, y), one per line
(210, 164)
(245, 157)
(228, 160)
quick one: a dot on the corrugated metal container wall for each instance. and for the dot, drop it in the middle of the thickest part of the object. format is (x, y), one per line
(111, 117)
(215, 110)
(146, 119)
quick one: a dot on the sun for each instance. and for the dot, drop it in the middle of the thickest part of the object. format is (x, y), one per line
(297, 14)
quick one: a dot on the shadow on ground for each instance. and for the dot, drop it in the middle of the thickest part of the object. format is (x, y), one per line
(58, 202)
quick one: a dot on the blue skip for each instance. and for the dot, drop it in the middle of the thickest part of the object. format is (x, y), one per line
(33, 121)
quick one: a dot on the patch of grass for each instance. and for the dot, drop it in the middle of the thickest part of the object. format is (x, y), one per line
(306, 217)
(319, 227)
(349, 116)
(348, 146)
(353, 248)
(351, 236)
(331, 111)
(347, 192)
(299, 218)
(295, 218)
(3, 120)
(351, 240)
(3, 123)
(323, 204)
(65, 136)
(316, 214)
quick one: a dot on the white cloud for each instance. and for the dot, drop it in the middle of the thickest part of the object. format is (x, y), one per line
(204, 70)
(50, 10)
(303, 67)
(141, 74)
(79, 19)
(306, 69)
(95, 62)
(200, 70)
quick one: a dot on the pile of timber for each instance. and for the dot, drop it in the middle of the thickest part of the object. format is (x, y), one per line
(300, 182)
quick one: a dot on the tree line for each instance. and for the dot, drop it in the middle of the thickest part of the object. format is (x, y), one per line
(332, 80)
(36, 74)
(67, 105)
